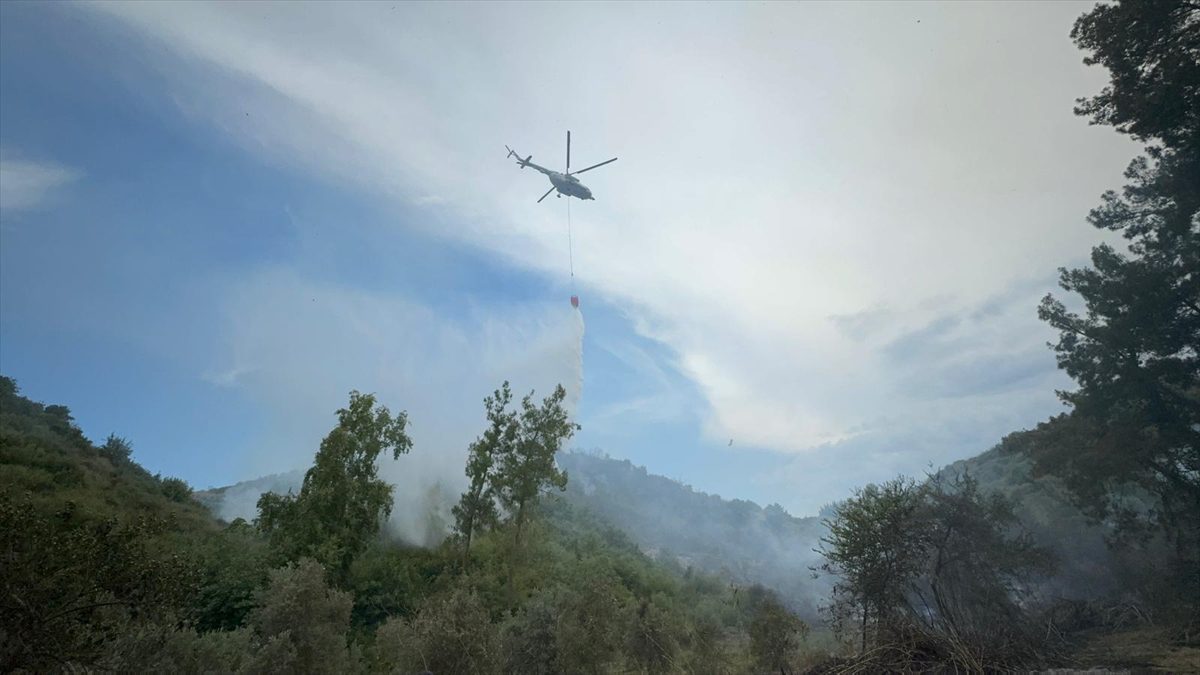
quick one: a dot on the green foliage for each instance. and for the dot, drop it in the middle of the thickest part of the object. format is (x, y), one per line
(451, 633)
(93, 547)
(737, 540)
(1150, 49)
(1135, 420)
(591, 621)
(529, 638)
(877, 548)
(390, 581)
(63, 577)
(302, 623)
(343, 502)
(653, 637)
(979, 568)
(164, 648)
(176, 489)
(476, 510)
(776, 635)
(190, 595)
(234, 567)
(708, 648)
(527, 468)
(940, 562)
(116, 449)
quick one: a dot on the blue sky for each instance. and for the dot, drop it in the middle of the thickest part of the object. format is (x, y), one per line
(218, 219)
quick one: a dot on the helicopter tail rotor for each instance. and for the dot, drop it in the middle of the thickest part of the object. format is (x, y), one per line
(521, 162)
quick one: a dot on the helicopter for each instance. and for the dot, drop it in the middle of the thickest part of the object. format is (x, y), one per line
(566, 183)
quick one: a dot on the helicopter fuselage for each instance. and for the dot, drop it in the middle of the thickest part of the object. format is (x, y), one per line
(565, 183)
(569, 185)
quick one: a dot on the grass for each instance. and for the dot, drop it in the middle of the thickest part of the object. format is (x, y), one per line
(1139, 650)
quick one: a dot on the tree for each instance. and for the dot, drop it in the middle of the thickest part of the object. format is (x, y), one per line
(1152, 51)
(452, 633)
(116, 449)
(527, 467)
(168, 648)
(529, 638)
(591, 620)
(302, 623)
(176, 489)
(652, 643)
(938, 571)
(69, 585)
(775, 635)
(979, 566)
(234, 567)
(477, 507)
(877, 550)
(1134, 426)
(343, 502)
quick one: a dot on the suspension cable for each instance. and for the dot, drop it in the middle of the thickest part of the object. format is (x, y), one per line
(570, 245)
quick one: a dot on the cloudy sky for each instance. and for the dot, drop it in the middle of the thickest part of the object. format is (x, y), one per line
(815, 265)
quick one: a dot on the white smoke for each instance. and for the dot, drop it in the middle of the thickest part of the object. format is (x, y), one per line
(301, 346)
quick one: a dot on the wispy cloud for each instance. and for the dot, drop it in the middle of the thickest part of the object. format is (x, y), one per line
(229, 377)
(28, 184)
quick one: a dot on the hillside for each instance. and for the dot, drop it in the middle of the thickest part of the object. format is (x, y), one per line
(745, 543)
(95, 544)
(1086, 564)
(92, 530)
(44, 456)
(109, 567)
(736, 540)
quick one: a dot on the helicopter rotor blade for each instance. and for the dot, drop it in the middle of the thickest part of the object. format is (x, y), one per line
(593, 166)
(545, 195)
(568, 151)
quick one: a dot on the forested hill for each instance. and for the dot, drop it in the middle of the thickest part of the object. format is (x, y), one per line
(108, 567)
(1087, 566)
(45, 457)
(737, 540)
(745, 543)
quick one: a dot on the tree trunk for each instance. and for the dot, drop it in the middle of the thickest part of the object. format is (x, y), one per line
(466, 554)
(512, 559)
(864, 627)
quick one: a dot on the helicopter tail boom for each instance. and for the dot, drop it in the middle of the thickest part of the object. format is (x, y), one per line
(522, 162)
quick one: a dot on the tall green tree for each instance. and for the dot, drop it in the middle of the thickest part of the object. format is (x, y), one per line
(343, 502)
(476, 508)
(1134, 427)
(526, 468)
(876, 549)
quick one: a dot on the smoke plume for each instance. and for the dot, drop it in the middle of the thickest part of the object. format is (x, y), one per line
(300, 347)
